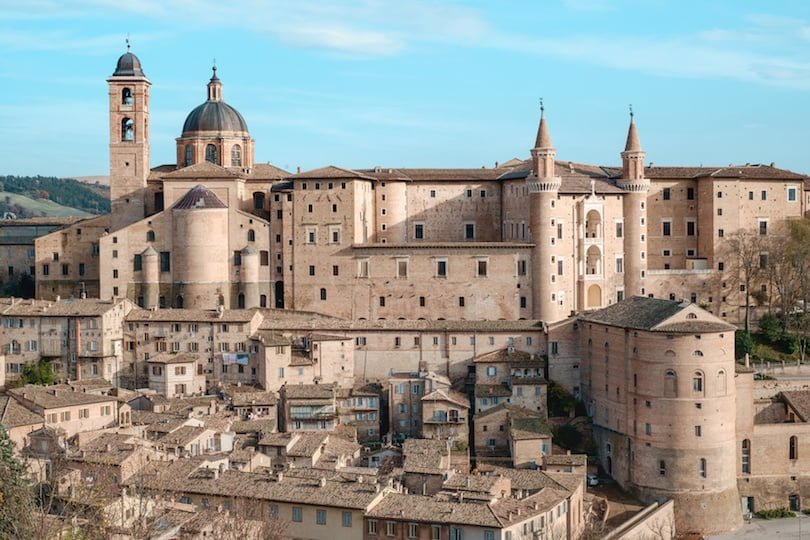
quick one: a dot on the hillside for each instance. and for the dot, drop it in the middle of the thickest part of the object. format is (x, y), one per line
(29, 196)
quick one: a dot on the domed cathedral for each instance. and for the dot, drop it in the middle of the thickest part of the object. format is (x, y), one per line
(194, 234)
(203, 237)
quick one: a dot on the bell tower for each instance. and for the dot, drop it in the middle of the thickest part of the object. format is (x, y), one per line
(129, 140)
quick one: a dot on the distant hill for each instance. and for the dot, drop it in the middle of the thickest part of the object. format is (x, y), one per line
(29, 196)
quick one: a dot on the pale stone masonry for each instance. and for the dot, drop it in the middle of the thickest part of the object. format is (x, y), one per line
(81, 337)
(530, 238)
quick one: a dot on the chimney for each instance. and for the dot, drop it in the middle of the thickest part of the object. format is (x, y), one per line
(298, 169)
(322, 481)
(108, 448)
(216, 473)
(279, 476)
(58, 298)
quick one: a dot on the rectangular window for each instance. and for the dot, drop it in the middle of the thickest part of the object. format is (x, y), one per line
(165, 261)
(402, 268)
(666, 227)
(419, 231)
(523, 302)
(469, 231)
(721, 233)
(237, 258)
(690, 194)
(648, 429)
(619, 265)
(791, 194)
(521, 268)
(346, 519)
(362, 268)
(764, 195)
(81, 269)
(619, 229)
(382, 301)
(264, 258)
(297, 514)
(667, 193)
(435, 532)
(372, 527)
(559, 267)
(441, 268)
(320, 517)
(137, 264)
(690, 228)
(461, 301)
(390, 528)
(763, 226)
(413, 530)
(482, 268)
(698, 431)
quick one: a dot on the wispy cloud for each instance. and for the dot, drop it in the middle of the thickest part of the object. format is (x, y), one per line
(378, 28)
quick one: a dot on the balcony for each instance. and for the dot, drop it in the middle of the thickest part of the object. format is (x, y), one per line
(307, 413)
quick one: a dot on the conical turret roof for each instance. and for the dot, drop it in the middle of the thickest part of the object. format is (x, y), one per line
(633, 143)
(543, 137)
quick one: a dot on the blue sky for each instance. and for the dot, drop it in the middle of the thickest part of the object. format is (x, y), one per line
(416, 83)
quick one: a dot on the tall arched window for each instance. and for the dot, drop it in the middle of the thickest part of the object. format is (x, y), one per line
(178, 302)
(236, 156)
(127, 129)
(323, 294)
(187, 160)
(794, 447)
(746, 456)
(126, 96)
(670, 383)
(240, 301)
(263, 300)
(697, 382)
(211, 154)
(251, 235)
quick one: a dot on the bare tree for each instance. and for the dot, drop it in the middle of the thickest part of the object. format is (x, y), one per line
(742, 249)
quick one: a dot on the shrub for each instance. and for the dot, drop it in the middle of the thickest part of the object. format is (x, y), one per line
(776, 513)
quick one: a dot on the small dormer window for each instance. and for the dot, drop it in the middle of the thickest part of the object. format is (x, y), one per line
(211, 154)
(127, 129)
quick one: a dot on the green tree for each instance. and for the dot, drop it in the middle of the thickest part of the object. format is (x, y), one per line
(16, 493)
(771, 328)
(743, 343)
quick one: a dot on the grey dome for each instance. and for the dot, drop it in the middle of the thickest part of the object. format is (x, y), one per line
(216, 116)
(129, 65)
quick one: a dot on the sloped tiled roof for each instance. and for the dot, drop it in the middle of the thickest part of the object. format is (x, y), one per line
(12, 414)
(199, 197)
(203, 169)
(267, 171)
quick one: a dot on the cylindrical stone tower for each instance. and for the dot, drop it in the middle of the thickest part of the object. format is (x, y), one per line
(249, 277)
(151, 278)
(634, 205)
(685, 442)
(200, 262)
(543, 185)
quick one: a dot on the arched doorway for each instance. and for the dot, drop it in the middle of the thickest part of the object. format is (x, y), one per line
(594, 296)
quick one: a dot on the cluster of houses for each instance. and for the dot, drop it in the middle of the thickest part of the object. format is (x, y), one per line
(174, 413)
